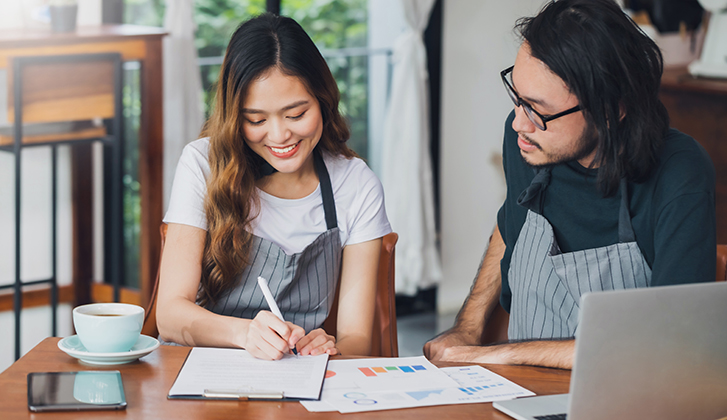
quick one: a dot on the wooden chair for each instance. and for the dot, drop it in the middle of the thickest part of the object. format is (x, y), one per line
(59, 100)
(385, 343)
(721, 262)
(496, 328)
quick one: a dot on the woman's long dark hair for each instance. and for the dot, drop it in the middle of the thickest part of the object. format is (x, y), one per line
(257, 46)
(614, 70)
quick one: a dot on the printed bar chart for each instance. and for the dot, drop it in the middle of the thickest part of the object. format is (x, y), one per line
(473, 390)
(378, 370)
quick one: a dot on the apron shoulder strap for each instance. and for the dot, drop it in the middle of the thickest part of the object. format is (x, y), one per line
(625, 229)
(329, 205)
(532, 197)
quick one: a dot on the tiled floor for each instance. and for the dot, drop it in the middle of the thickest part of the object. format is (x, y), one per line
(415, 330)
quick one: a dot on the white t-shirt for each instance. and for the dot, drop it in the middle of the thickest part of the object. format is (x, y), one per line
(290, 224)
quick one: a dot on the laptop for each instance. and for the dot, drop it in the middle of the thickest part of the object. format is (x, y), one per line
(651, 353)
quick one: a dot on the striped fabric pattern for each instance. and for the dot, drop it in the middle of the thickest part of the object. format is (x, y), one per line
(547, 285)
(303, 284)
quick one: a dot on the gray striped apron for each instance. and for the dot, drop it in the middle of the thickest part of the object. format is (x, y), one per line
(303, 284)
(547, 284)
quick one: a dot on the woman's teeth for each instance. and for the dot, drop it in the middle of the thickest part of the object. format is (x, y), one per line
(283, 150)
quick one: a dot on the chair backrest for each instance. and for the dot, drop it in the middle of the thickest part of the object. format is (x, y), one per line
(496, 328)
(64, 88)
(384, 340)
(721, 262)
(150, 314)
(385, 343)
(63, 97)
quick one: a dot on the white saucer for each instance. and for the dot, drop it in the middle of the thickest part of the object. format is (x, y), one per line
(72, 346)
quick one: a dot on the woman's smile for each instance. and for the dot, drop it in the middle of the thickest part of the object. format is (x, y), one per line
(284, 152)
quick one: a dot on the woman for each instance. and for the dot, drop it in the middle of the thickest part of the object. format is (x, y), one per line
(272, 191)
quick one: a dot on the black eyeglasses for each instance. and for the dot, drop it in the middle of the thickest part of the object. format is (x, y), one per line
(534, 116)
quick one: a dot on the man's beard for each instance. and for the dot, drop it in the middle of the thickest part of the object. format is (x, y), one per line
(587, 143)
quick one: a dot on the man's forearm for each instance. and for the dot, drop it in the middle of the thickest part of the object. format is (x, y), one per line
(485, 292)
(547, 353)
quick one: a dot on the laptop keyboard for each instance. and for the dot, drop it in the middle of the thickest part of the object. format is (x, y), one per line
(551, 417)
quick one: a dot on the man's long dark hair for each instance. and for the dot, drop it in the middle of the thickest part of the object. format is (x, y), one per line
(614, 70)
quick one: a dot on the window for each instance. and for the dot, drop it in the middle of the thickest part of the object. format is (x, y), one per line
(340, 30)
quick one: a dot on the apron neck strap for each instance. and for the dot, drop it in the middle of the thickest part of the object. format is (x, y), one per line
(625, 229)
(532, 197)
(264, 169)
(329, 205)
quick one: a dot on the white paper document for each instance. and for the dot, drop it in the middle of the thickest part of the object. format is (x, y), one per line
(345, 389)
(230, 371)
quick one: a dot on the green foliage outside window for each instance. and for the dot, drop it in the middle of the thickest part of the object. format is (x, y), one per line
(335, 24)
(144, 12)
(331, 23)
(131, 186)
(216, 21)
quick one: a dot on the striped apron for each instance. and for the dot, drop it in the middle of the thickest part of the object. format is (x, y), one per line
(547, 284)
(303, 284)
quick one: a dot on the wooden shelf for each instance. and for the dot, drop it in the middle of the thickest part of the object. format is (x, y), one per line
(679, 79)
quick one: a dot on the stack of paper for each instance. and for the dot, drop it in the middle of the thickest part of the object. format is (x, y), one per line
(389, 383)
(235, 373)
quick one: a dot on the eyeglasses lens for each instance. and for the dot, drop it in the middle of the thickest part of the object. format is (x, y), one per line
(532, 116)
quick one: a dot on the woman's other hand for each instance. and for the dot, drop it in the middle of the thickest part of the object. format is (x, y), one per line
(317, 342)
(270, 338)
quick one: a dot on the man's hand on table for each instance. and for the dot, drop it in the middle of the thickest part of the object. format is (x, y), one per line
(435, 348)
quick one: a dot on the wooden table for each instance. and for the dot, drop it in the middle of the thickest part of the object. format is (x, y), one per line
(147, 381)
(698, 107)
(134, 43)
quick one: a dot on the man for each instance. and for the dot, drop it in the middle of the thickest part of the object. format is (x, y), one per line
(601, 194)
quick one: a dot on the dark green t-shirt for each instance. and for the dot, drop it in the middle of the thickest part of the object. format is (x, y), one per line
(672, 212)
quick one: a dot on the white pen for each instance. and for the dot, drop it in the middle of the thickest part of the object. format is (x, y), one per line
(269, 297)
(271, 301)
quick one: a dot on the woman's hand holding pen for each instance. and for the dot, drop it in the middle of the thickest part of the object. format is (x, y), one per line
(317, 342)
(270, 338)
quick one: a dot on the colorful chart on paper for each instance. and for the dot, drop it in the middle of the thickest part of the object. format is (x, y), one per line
(378, 370)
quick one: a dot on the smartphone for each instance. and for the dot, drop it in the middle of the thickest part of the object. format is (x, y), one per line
(74, 391)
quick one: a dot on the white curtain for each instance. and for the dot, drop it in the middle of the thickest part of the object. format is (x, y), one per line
(183, 107)
(406, 171)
